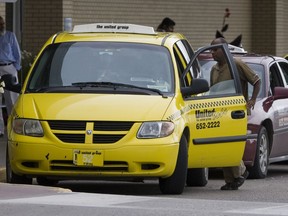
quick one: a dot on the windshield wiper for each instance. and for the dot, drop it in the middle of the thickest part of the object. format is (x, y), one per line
(114, 85)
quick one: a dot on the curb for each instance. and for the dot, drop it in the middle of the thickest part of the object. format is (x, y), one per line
(2, 174)
(22, 187)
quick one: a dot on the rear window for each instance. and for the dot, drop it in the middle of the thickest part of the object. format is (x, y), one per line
(143, 65)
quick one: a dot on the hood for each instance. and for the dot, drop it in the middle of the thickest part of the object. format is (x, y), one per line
(92, 107)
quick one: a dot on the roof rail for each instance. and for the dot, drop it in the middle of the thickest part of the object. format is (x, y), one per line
(114, 28)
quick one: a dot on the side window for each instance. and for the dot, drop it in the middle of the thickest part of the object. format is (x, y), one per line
(180, 66)
(284, 68)
(195, 69)
(183, 53)
(275, 77)
(259, 69)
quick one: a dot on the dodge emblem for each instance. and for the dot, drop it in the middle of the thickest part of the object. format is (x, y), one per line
(89, 132)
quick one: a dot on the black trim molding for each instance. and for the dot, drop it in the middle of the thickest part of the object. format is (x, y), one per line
(219, 140)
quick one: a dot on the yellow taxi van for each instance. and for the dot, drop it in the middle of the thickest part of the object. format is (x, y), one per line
(121, 101)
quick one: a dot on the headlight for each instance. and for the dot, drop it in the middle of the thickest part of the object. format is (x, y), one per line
(28, 127)
(155, 129)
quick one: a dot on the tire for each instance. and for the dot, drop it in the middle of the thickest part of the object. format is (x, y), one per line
(13, 178)
(197, 177)
(175, 184)
(260, 168)
(46, 182)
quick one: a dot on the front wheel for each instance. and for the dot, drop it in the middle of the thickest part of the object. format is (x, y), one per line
(261, 162)
(11, 177)
(175, 184)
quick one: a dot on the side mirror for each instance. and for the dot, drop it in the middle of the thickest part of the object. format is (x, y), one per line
(10, 83)
(197, 86)
(280, 93)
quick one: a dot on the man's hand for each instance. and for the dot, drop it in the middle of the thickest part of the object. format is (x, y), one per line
(251, 103)
(2, 85)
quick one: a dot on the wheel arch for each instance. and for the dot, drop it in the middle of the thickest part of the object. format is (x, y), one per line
(186, 133)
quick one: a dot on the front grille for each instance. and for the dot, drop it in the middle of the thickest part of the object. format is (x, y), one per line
(112, 126)
(76, 131)
(67, 125)
(71, 138)
(106, 138)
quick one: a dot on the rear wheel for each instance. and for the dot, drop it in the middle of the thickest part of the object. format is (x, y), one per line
(11, 177)
(261, 162)
(175, 184)
(197, 177)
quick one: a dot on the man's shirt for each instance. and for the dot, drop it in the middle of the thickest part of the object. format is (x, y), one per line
(219, 74)
(9, 50)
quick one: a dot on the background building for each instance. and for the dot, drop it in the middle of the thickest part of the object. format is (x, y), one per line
(262, 23)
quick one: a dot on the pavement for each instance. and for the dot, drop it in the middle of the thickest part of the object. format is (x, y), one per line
(18, 191)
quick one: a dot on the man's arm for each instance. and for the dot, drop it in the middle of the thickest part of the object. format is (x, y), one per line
(16, 52)
(256, 89)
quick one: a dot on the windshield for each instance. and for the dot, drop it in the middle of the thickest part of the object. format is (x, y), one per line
(140, 65)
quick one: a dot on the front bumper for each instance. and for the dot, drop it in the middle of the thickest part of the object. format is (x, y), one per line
(55, 161)
(250, 150)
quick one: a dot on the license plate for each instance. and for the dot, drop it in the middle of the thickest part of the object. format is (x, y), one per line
(88, 157)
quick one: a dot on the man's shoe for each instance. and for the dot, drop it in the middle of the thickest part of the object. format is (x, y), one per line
(229, 186)
(240, 180)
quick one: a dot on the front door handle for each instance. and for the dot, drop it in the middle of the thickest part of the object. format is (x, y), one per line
(238, 114)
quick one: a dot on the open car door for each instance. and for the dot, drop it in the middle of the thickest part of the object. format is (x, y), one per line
(218, 116)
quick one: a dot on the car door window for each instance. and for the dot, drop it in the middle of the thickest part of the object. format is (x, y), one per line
(183, 53)
(220, 78)
(275, 77)
(284, 68)
(259, 69)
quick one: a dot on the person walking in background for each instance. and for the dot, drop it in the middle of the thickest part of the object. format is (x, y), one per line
(234, 176)
(10, 62)
(167, 25)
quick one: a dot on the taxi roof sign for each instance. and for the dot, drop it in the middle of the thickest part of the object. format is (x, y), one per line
(114, 28)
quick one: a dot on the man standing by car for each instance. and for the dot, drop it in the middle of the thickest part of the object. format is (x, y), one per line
(10, 61)
(167, 25)
(234, 176)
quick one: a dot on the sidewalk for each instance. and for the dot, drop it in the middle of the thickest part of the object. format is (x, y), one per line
(19, 190)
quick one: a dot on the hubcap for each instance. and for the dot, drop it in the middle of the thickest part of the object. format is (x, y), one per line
(263, 153)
